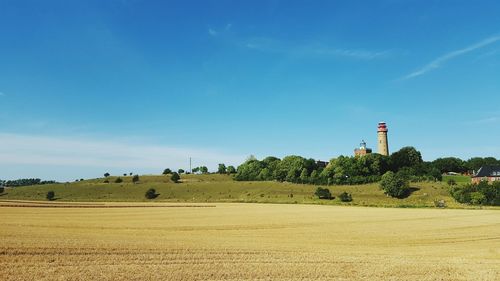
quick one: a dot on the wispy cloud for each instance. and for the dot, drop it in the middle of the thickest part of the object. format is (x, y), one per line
(487, 120)
(214, 32)
(77, 152)
(444, 58)
(311, 50)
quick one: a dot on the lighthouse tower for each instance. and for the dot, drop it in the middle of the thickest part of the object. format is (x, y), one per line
(383, 146)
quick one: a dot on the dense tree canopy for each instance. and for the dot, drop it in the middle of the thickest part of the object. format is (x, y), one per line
(341, 170)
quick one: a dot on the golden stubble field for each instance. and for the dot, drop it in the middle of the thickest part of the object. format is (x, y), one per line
(249, 242)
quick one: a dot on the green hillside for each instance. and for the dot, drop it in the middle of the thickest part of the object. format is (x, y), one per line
(221, 188)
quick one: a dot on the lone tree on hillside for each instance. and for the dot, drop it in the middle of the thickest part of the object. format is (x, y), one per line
(204, 170)
(175, 177)
(50, 195)
(106, 175)
(167, 171)
(180, 171)
(124, 174)
(222, 169)
(323, 193)
(151, 194)
(394, 185)
(135, 179)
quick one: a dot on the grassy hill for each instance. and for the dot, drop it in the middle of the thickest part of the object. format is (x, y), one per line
(221, 188)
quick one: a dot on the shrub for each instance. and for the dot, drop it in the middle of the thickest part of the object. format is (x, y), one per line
(118, 180)
(2, 189)
(395, 185)
(167, 171)
(106, 181)
(175, 177)
(323, 193)
(135, 178)
(345, 197)
(451, 182)
(181, 171)
(50, 195)
(151, 193)
(477, 198)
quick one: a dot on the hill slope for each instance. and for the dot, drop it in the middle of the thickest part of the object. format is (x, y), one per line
(221, 188)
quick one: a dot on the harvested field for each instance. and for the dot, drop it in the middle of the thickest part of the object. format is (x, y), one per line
(249, 242)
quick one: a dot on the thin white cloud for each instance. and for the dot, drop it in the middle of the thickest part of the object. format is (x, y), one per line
(60, 151)
(212, 32)
(314, 50)
(487, 120)
(442, 59)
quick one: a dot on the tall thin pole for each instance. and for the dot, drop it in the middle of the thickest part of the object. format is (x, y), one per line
(190, 168)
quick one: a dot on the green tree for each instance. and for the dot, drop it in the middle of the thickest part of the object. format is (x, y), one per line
(449, 164)
(151, 194)
(304, 176)
(204, 170)
(406, 157)
(50, 195)
(167, 171)
(175, 177)
(221, 169)
(180, 171)
(323, 193)
(314, 177)
(106, 175)
(249, 171)
(394, 185)
(265, 175)
(231, 170)
(135, 178)
(290, 167)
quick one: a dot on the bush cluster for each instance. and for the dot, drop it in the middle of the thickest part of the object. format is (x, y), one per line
(477, 194)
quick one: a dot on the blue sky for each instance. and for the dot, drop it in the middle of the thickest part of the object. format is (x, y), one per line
(137, 86)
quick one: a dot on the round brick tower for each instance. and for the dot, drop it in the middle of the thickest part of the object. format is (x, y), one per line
(383, 146)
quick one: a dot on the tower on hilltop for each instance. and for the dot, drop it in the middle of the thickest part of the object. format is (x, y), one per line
(383, 146)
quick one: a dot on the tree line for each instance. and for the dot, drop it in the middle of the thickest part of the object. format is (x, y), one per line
(341, 170)
(24, 182)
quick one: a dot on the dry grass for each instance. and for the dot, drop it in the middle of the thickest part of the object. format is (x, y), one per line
(249, 242)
